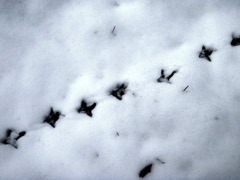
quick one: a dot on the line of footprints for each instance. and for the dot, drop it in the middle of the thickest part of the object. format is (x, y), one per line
(12, 136)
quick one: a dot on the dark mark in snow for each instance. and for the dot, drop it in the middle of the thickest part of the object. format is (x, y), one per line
(119, 91)
(12, 137)
(147, 169)
(171, 75)
(87, 109)
(162, 78)
(206, 53)
(185, 88)
(115, 4)
(235, 40)
(113, 29)
(53, 117)
(117, 133)
(160, 161)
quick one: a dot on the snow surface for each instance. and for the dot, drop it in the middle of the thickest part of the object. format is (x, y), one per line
(55, 53)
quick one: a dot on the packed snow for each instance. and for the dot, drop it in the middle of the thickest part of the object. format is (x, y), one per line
(120, 89)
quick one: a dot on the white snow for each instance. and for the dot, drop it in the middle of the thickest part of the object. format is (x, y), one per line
(55, 53)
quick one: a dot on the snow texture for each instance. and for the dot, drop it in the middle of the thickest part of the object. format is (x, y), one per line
(61, 52)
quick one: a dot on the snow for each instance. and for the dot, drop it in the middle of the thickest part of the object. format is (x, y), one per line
(57, 53)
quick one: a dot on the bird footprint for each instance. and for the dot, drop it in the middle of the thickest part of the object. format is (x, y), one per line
(163, 78)
(206, 53)
(12, 137)
(53, 117)
(85, 108)
(119, 91)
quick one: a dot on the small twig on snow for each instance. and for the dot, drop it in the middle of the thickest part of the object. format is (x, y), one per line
(185, 88)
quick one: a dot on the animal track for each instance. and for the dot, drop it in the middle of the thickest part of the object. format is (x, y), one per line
(166, 79)
(12, 137)
(87, 109)
(119, 91)
(235, 40)
(53, 117)
(206, 53)
(147, 169)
